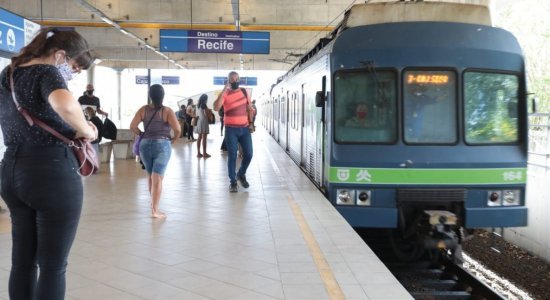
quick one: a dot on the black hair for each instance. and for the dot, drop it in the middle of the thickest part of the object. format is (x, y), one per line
(231, 74)
(50, 40)
(202, 101)
(156, 93)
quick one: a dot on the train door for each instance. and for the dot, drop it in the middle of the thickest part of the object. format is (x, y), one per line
(271, 116)
(282, 122)
(322, 139)
(303, 128)
(276, 118)
(289, 122)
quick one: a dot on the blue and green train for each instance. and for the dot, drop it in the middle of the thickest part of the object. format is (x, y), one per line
(411, 116)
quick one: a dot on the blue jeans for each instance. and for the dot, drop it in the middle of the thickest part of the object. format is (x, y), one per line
(44, 194)
(233, 137)
(155, 155)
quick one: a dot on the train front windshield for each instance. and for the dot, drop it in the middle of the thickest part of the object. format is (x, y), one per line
(365, 107)
(491, 108)
(429, 107)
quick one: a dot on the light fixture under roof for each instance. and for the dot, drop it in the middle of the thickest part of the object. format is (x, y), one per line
(113, 23)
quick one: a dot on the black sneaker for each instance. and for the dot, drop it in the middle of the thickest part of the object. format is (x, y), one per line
(233, 187)
(242, 180)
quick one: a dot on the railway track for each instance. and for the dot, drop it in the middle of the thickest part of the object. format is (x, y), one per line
(440, 280)
(430, 278)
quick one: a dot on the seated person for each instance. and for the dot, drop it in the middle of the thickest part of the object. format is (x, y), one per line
(360, 118)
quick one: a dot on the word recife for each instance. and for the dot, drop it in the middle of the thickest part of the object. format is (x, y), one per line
(219, 45)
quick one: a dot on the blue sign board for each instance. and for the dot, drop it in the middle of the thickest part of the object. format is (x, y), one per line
(12, 32)
(140, 79)
(211, 41)
(222, 80)
(170, 80)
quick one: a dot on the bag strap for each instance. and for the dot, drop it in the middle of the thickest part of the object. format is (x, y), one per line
(245, 95)
(33, 120)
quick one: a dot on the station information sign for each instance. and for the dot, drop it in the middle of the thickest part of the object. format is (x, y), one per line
(212, 41)
(142, 79)
(222, 80)
(166, 80)
(170, 80)
(15, 31)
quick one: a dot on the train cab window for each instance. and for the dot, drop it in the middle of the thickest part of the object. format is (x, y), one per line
(429, 107)
(490, 108)
(365, 106)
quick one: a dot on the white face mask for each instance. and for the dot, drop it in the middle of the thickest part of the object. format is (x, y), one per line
(65, 70)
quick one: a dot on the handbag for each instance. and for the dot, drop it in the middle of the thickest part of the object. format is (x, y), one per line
(210, 116)
(250, 112)
(194, 121)
(109, 129)
(137, 141)
(83, 150)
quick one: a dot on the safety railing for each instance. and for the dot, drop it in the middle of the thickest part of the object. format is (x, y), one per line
(539, 142)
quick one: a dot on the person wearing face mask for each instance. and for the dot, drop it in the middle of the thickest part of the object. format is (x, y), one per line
(360, 119)
(238, 126)
(40, 184)
(89, 100)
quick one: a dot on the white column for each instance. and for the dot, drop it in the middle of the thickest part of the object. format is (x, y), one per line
(90, 74)
(119, 95)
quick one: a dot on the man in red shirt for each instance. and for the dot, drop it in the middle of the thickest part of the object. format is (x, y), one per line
(236, 105)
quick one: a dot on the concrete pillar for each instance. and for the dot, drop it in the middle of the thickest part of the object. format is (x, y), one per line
(119, 94)
(90, 74)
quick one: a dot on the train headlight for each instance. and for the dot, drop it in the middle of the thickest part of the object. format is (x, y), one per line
(494, 198)
(345, 197)
(364, 197)
(510, 197)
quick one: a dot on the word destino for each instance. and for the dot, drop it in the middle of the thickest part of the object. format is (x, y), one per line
(221, 44)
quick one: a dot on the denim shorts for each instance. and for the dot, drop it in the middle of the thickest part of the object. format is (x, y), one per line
(155, 155)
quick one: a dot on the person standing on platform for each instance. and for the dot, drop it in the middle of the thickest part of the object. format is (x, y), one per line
(236, 104)
(255, 112)
(182, 119)
(40, 184)
(92, 117)
(203, 126)
(155, 149)
(191, 113)
(220, 113)
(88, 99)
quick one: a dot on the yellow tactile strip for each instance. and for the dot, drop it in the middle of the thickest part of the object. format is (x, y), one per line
(331, 285)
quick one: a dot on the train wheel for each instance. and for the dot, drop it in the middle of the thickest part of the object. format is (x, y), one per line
(406, 248)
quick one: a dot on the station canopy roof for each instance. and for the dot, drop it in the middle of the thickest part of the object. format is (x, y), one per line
(126, 33)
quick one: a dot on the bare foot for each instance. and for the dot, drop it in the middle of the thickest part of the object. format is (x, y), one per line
(159, 215)
(206, 155)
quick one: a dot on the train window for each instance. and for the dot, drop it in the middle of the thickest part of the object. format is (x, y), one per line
(490, 108)
(365, 106)
(429, 107)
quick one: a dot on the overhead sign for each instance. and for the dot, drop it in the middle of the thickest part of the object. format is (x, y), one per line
(140, 79)
(15, 31)
(170, 80)
(222, 80)
(210, 41)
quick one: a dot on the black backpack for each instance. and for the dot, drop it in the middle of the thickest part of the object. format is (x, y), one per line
(109, 129)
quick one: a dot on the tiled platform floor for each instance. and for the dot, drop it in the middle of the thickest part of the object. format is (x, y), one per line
(215, 245)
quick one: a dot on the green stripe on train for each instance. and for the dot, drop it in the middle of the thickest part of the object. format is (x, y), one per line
(427, 176)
